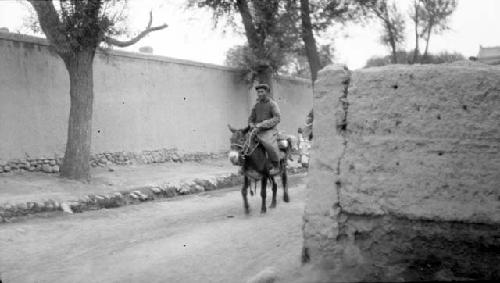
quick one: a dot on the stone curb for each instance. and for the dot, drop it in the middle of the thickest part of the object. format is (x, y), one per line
(9, 212)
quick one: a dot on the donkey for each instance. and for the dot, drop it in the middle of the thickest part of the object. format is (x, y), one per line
(248, 153)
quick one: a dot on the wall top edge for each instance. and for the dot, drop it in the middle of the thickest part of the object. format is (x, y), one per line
(152, 57)
(24, 38)
(120, 53)
(135, 55)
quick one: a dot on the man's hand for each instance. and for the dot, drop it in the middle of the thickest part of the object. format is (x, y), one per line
(255, 126)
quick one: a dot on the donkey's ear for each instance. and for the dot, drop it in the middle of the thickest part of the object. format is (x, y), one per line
(231, 128)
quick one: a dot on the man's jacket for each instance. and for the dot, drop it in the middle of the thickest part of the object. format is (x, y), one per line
(266, 114)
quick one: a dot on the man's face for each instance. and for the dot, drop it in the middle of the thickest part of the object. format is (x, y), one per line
(261, 94)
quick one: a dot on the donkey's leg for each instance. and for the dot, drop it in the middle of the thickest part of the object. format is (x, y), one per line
(284, 180)
(263, 183)
(244, 192)
(275, 190)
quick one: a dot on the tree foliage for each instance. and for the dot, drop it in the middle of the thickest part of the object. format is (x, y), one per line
(318, 15)
(299, 65)
(274, 29)
(295, 62)
(430, 17)
(393, 24)
(268, 28)
(244, 58)
(328, 12)
(434, 18)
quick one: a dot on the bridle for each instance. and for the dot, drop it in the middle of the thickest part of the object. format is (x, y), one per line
(246, 149)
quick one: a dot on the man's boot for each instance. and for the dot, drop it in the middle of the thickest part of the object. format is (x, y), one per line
(275, 169)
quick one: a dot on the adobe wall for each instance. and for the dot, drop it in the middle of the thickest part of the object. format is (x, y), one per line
(404, 180)
(142, 102)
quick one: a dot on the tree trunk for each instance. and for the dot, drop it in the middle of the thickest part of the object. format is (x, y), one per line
(394, 56)
(427, 44)
(309, 41)
(246, 18)
(264, 73)
(417, 51)
(76, 164)
(390, 33)
(392, 42)
(265, 76)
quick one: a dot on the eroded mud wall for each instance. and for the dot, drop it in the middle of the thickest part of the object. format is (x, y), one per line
(404, 182)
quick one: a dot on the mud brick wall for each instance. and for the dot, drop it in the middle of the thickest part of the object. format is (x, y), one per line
(143, 102)
(404, 180)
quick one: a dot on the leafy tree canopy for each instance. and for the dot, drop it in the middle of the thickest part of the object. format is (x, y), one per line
(294, 63)
(270, 27)
(274, 29)
(435, 15)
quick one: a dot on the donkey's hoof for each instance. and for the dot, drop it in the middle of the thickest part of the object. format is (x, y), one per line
(263, 211)
(286, 198)
(273, 205)
(247, 210)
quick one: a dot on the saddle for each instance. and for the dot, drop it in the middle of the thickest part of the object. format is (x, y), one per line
(283, 144)
(282, 139)
(252, 143)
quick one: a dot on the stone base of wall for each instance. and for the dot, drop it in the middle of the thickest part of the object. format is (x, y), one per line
(9, 212)
(13, 212)
(150, 156)
(47, 165)
(52, 165)
(391, 249)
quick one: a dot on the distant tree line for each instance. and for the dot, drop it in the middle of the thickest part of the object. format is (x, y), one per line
(407, 57)
(428, 16)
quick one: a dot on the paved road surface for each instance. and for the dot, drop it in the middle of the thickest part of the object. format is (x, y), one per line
(201, 238)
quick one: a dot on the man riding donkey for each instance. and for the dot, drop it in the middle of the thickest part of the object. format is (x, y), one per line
(256, 148)
(265, 117)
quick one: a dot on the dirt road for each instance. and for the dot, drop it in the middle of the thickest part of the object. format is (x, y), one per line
(200, 238)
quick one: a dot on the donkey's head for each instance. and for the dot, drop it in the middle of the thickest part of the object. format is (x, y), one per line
(237, 141)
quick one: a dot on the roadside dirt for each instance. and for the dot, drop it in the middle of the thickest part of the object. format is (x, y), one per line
(200, 238)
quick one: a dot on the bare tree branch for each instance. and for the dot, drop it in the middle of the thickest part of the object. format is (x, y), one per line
(149, 28)
(50, 24)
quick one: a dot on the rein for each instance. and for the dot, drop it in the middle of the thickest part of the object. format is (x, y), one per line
(238, 145)
(247, 150)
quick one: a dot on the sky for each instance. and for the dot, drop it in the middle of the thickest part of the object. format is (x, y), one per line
(191, 33)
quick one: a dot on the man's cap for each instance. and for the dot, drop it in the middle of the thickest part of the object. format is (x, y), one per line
(262, 86)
